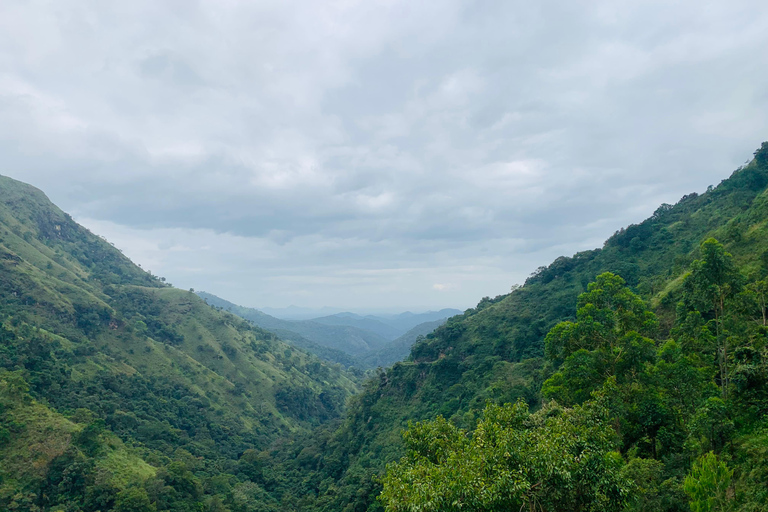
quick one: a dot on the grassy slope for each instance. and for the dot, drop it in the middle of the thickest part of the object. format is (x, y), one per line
(113, 339)
(494, 351)
(39, 436)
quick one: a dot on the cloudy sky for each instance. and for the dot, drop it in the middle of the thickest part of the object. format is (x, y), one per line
(374, 154)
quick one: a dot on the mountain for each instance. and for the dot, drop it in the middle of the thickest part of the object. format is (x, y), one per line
(364, 323)
(350, 340)
(407, 321)
(337, 338)
(112, 377)
(387, 326)
(299, 313)
(495, 352)
(398, 349)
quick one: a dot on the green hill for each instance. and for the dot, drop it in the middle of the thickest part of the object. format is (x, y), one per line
(318, 336)
(90, 332)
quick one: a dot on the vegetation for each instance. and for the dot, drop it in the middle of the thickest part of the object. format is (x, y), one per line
(632, 377)
(399, 348)
(634, 403)
(114, 379)
(556, 459)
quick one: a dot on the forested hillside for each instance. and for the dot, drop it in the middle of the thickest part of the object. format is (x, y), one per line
(111, 379)
(495, 352)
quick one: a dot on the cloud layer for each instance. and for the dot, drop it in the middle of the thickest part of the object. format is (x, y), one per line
(373, 153)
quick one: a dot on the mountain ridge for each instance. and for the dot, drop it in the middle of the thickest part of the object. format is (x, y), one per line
(348, 339)
(154, 400)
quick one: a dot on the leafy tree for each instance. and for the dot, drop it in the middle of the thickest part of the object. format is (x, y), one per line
(756, 293)
(761, 155)
(707, 485)
(655, 491)
(557, 460)
(708, 288)
(134, 499)
(609, 338)
(711, 424)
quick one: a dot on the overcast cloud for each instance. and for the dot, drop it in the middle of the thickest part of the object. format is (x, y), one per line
(368, 154)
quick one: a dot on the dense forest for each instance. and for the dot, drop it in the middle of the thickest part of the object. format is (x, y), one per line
(630, 377)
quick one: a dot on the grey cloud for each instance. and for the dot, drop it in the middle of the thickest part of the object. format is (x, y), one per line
(336, 137)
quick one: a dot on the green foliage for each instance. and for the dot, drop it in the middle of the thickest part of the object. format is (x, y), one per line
(761, 155)
(654, 491)
(134, 499)
(707, 485)
(609, 338)
(557, 459)
(86, 334)
(606, 314)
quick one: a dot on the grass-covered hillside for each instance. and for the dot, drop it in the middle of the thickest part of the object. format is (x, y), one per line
(495, 352)
(151, 369)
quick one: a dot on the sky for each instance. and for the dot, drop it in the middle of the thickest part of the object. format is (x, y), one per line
(374, 154)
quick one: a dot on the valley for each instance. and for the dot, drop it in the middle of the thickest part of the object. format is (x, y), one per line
(346, 338)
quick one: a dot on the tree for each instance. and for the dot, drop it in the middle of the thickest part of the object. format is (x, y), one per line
(611, 337)
(761, 155)
(555, 460)
(134, 499)
(712, 282)
(707, 485)
(757, 294)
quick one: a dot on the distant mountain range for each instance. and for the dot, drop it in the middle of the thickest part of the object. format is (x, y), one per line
(399, 348)
(306, 313)
(346, 338)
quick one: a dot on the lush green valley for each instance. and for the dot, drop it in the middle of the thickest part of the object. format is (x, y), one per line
(635, 377)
